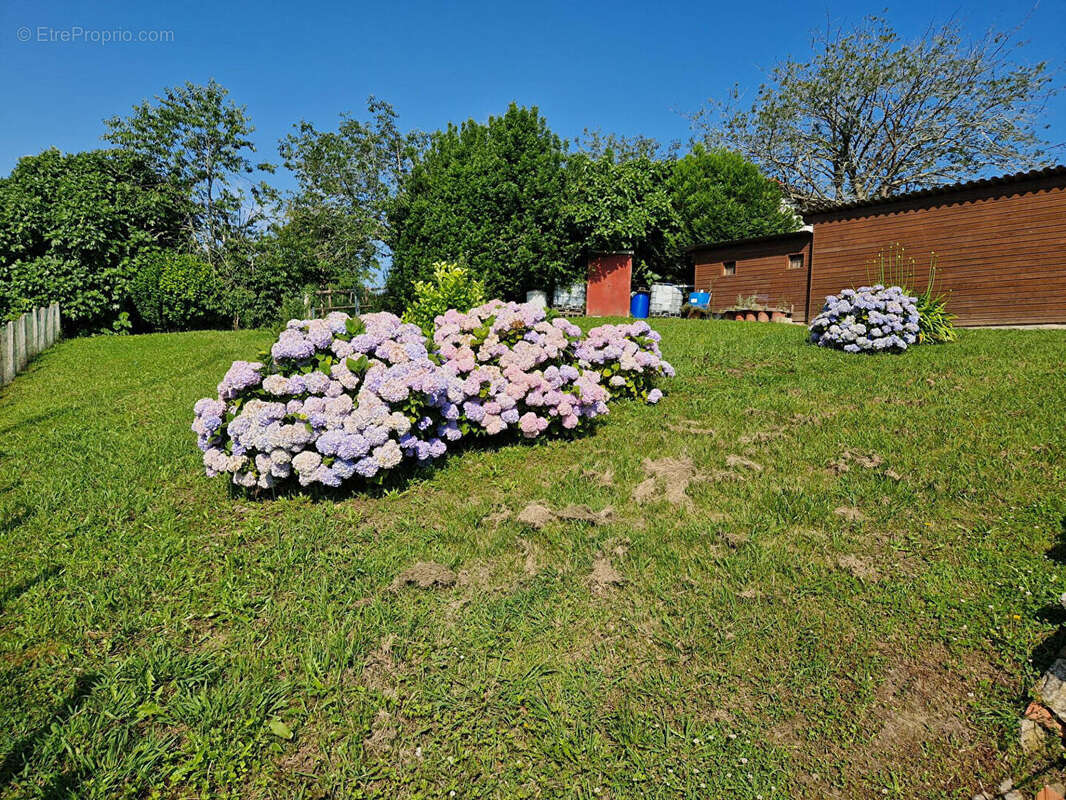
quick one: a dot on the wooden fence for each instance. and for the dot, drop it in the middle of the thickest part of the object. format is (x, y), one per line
(323, 301)
(21, 340)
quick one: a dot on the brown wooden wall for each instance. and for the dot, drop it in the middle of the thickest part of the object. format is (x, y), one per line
(762, 269)
(1001, 250)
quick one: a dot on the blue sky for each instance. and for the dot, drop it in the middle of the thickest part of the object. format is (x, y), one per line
(620, 66)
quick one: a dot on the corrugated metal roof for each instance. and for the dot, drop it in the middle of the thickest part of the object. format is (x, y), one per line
(752, 240)
(981, 183)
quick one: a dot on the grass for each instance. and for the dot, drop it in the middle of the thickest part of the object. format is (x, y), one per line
(162, 637)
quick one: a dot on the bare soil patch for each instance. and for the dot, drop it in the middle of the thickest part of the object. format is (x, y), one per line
(605, 478)
(425, 575)
(603, 575)
(850, 513)
(692, 426)
(674, 474)
(861, 567)
(538, 515)
(740, 462)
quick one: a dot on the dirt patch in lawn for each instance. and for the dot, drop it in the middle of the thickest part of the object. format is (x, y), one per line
(304, 761)
(538, 515)
(675, 474)
(920, 714)
(850, 513)
(693, 426)
(496, 517)
(425, 575)
(861, 567)
(603, 575)
(381, 671)
(866, 461)
(383, 733)
(761, 437)
(605, 478)
(739, 462)
(531, 557)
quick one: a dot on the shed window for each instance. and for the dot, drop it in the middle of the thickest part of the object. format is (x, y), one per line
(795, 261)
(729, 268)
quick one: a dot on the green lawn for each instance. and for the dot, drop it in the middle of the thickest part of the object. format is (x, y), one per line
(824, 626)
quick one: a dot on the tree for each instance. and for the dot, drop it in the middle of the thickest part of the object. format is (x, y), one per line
(489, 196)
(596, 144)
(200, 141)
(718, 196)
(871, 115)
(71, 227)
(347, 178)
(620, 204)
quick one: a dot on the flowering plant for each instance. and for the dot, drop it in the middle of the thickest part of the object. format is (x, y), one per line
(628, 357)
(518, 369)
(333, 398)
(342, 397)
(871, 319)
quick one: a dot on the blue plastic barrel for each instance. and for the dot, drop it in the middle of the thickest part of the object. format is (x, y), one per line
(639, 305)
(700, 299)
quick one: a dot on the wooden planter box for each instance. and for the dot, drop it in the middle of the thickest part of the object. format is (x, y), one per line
(769, 314)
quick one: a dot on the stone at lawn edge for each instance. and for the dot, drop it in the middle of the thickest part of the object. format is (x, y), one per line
(1051, 688)
(1033, 737)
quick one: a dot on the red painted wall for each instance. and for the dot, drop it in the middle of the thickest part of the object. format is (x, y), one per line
(610, 276)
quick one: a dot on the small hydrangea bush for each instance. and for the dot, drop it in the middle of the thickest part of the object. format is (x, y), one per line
(346, 398)
(870, 319)
(628, 358)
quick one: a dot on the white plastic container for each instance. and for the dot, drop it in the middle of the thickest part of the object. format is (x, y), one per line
(537, 298)
(666, 300)
(569, 298)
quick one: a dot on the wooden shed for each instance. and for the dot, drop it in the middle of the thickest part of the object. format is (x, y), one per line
(773, 269)
(1000, 246)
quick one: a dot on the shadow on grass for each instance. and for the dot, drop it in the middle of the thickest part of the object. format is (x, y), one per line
(399, 480)
(39, 418)
(19, 589)
(15, 760)
(1052, 648)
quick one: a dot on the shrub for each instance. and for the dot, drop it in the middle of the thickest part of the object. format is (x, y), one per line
(176, 291)
(452, 286)
(346, 398)
(871, 319)
(519, 370)
(72, 226)
(628, 357)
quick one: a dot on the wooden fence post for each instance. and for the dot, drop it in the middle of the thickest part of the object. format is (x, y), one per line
(29, 322)
(7, 353)
(56, 329)
(20, 344)
(42, 329)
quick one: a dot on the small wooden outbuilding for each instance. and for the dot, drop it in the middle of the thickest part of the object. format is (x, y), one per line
(999, 244)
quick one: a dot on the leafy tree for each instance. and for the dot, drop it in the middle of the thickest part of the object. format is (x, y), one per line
(347, 179)
(200, 140)
(489, 195)
(620, 204)
(71, 227)
(717, 196)
(870, 115)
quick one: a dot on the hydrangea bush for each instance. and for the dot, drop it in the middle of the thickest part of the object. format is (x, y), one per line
(353, 398)
(871, 319)
(628, 358)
